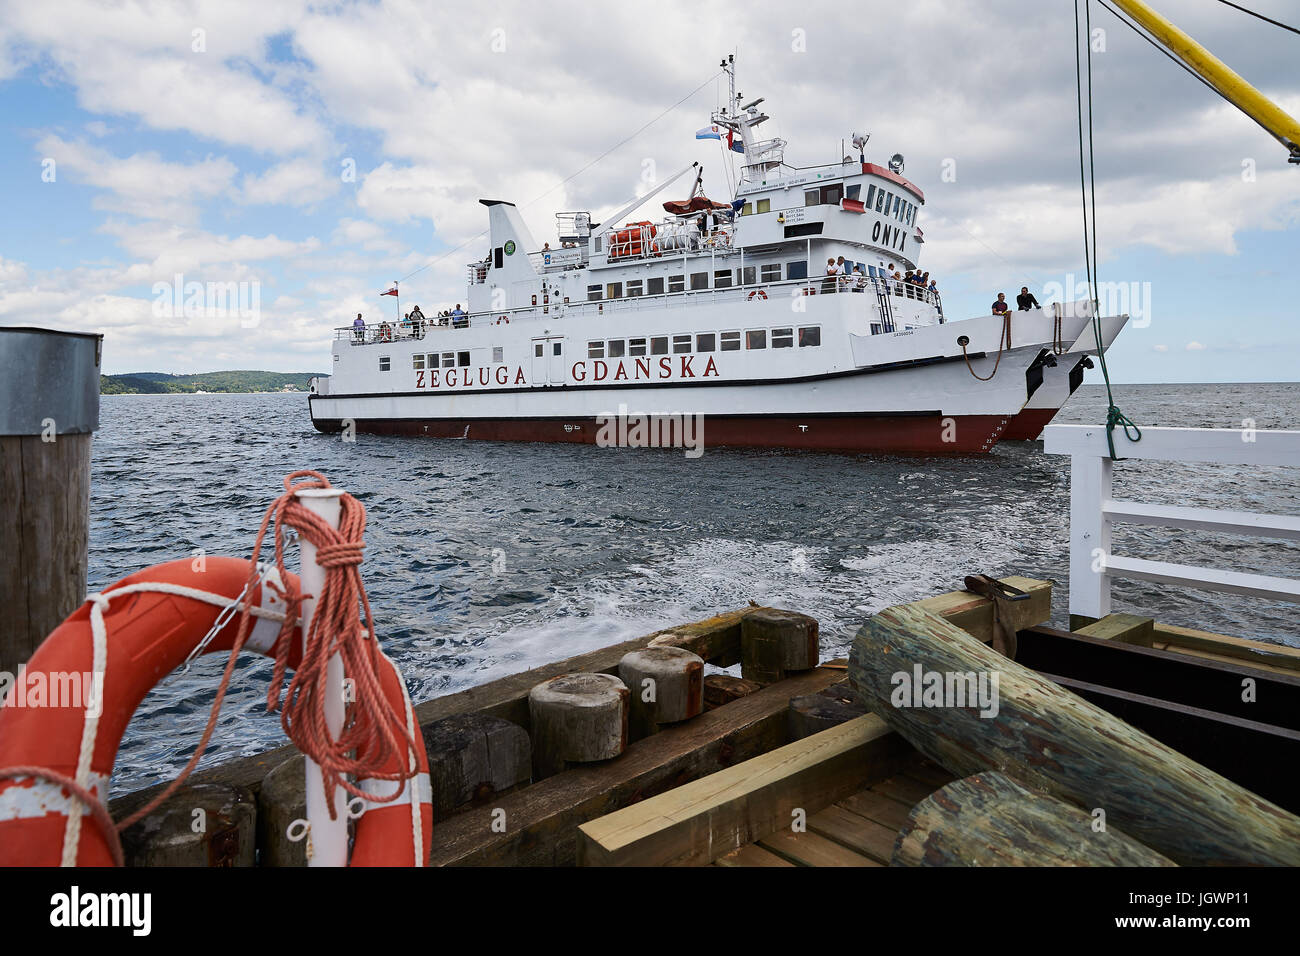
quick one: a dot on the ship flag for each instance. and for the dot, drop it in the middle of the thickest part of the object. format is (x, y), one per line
(392, 291)
(709, 132)
(732, 144)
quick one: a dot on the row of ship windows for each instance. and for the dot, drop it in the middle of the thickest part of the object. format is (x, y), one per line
(722, 279)
(432, 360)
(880, 199)
(809, 336)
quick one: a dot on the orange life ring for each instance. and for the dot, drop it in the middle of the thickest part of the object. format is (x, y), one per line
(384, 335)
(762, 294)
(150, 633)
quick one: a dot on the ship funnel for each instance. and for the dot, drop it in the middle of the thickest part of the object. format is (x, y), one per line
(511, 243)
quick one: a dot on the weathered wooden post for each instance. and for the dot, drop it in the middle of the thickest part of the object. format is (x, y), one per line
(49, 406)
(473, 757)
(774, 642)
(204, 824)
(666, 685)
(577, 717)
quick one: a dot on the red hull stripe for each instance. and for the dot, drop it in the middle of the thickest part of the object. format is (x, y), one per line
(929, 433)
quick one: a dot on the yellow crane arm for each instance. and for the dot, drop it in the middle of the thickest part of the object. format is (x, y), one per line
(1215, 72)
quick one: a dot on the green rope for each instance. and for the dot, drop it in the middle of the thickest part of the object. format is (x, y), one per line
(1114, 416)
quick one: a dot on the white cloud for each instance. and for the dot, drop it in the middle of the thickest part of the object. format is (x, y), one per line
(1195, 347)
(142, 184)
(295, 182)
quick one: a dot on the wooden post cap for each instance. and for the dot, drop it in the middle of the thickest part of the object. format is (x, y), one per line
(205, 824)
(722, 689)
(474, 757)
(579, 718)
(775, 642)
(813, 713)
(666, 685)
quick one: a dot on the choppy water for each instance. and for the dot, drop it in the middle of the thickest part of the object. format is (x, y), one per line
(485, 559)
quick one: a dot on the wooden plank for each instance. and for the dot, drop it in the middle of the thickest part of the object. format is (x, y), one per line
(751, 854)
(882, 809)
(871, 839)
(1124, 628)
(989, 819)
(541, 821)
(1056, 742)
(904, 789)
(974, 614)
(1257, 652)
(811, 849)
(696, 823)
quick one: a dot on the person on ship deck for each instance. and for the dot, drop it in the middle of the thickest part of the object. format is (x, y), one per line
(1000, 307)
(1026, 301)
(359, 328)
(829, 283)
(459, 320)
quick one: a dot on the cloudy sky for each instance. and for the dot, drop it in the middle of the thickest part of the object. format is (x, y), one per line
(316, 152)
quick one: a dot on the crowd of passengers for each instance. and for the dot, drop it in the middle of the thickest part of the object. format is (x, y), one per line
(412, 325)
(839, 279)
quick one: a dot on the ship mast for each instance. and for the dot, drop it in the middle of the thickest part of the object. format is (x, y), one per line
(760, 155)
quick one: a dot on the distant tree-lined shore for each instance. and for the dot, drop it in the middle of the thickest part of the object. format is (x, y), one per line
(147, 383)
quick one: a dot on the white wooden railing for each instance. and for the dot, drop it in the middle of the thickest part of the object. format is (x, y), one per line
(1093, 511)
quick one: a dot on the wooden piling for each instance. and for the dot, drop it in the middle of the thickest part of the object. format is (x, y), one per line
(774, 643)
(577, 718)
(49, 406)
(474, 757)
(665, 684)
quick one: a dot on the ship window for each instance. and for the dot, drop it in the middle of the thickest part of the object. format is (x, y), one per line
(496, 256)
(593, 293)
(448, 359)
(676, 283)
(462, 359)
(659, 345)
(880, 200)
(875, 328)
(731, 341)
(595, 350)
(898, 207)
(705, 342)
(772, 273)
(614, 290)
(654, 286)
(854, 191)
(431, 360)
(598, 243)
(812, 197)
(537, 350)
(722, 279)
(871, 196)
(748, 275)
(634, 287)
(699, 280)
(417, 363)
(746, 209)
(810, 336)
(797, 270)
(617, 348)
(831, 195)
(681, 344)
(756, 339)
(763, 205)
(783, 338)
(636, 346)
(498, 355)
(385, 363)
(555, 349)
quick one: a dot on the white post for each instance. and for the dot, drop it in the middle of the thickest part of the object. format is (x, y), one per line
(1089, 535)
(329, 838)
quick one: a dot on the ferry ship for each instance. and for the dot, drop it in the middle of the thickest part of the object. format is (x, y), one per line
(720, 310)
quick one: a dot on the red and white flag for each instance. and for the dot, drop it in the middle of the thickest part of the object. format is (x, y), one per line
(392, 291)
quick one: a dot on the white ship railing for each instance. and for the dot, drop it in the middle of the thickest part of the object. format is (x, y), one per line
(1093, 511)
(873, 286)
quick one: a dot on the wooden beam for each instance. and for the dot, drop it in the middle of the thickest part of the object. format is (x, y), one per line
(1057, 742)
(1222, 645)
(541, 821)
(698, 822)
(1124, 628)
(974, 614)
